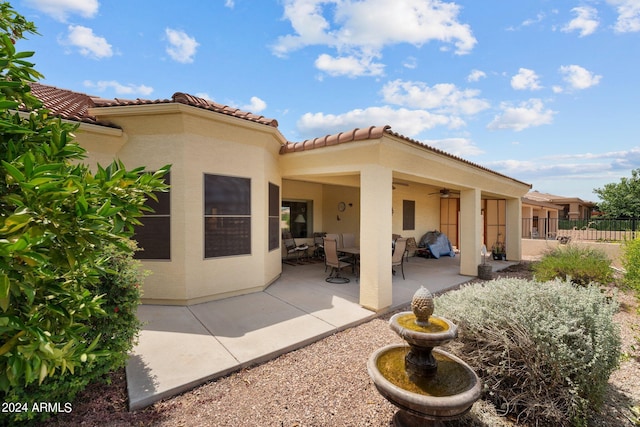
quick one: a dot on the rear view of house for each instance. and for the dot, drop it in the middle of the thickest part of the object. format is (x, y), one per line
(217, 233)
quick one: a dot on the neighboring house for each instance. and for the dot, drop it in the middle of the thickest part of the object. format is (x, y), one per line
(217, 233)
(539, 218)
(572, 208)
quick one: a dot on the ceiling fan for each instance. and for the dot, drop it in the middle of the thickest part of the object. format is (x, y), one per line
(394, 183)
(444, 193)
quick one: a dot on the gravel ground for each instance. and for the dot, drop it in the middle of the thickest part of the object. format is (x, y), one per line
(326, 384)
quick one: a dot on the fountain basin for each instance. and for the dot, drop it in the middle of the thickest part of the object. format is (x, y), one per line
(447, 395)
(437, 332)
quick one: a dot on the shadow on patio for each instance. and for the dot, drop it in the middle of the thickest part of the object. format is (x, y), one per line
(182, 347)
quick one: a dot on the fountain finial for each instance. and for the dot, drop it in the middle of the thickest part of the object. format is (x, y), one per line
(422, 305)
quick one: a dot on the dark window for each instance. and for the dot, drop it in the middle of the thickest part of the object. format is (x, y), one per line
(408, 215)
(297, 217)
(274, 216)
(154, 235)
(227, 216)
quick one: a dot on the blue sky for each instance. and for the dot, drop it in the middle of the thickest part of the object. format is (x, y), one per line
(544, 91)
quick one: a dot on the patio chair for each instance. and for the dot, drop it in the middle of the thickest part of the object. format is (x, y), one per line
(331, 260)
(318, 243)
(336, 237)
(397, 259)
(411, 246)
(348, 240)
(292, 248)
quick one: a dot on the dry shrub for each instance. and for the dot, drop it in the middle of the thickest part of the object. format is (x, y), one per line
(544, 351)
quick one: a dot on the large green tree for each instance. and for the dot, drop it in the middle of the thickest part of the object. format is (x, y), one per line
(622, 199)
(57, 217)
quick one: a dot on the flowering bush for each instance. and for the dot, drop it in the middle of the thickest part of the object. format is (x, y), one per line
(543, 350)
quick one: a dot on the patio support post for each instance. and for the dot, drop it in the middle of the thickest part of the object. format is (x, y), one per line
(514, 229)
(471, 232)
(375, 237)
(527, 228)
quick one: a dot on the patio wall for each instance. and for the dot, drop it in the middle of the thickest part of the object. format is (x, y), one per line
(535, 248)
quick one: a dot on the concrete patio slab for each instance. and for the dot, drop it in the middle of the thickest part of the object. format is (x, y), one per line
(174, 353)
(182, 347)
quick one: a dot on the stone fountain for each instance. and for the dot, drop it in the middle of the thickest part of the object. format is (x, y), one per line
(427, 384)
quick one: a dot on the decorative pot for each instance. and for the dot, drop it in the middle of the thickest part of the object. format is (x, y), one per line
(485, 271)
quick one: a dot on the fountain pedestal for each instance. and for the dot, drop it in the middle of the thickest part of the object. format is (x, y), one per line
(427, 384)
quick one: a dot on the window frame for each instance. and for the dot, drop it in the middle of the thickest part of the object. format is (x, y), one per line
(156, 244)
(273, 220)
(237, 214)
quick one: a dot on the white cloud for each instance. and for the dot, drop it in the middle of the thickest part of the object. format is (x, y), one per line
(586, 21)
(603, 167)
(404, 121)
(255, 106)
(443, 97)
(229, 3)
(628, 15)
(528, 22)
(525, 79)
(462, 147)
(362, 29)
(88, 43)
(527, 114)
(182, 47)
(61, 9)
(350, 66)
(119, 88)
(410, 63)
(476, 75)
(539, 18)
(578, 77)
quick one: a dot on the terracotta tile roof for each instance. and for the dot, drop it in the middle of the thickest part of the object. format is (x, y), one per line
(535, 202)
(194, 101)
(546, 197)
(67, 104)
(374, 132)
(74, 105)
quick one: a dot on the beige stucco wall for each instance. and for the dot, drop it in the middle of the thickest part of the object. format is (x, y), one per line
(196, 143)
(427, 204)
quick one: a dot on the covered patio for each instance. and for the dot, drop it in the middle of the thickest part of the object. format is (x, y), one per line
(364, 181)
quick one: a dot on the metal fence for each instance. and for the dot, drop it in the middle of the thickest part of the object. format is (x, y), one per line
(594, 229)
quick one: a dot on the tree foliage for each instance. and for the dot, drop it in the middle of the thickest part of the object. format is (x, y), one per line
(56, 217)
(621, 200)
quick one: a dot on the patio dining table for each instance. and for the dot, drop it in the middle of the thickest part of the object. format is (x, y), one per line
(355, 255)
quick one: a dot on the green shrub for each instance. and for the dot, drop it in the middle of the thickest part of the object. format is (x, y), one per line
(579, 265)
(631, 263)
(115, 332)
(56, 218)
(543, 350)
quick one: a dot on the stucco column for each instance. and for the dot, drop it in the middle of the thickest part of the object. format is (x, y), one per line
(514, 229)
(375, 237)
(527, 213)
(470, 232)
